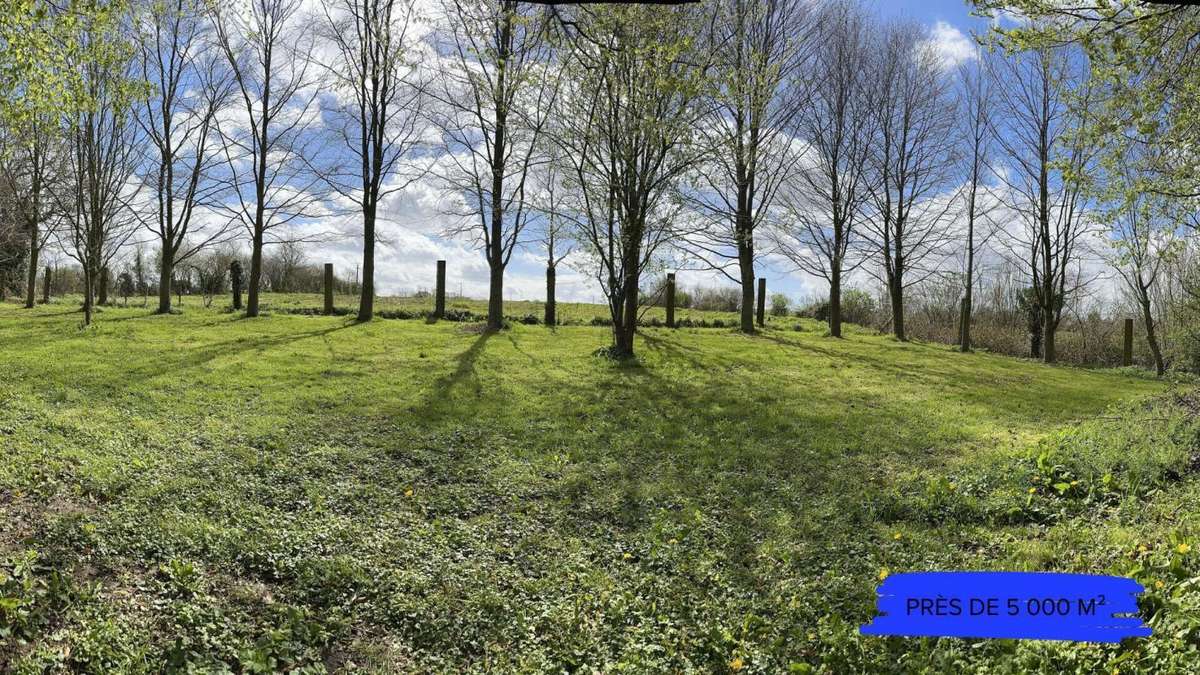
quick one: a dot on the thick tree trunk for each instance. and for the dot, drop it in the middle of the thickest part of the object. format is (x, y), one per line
(166, 274)
(366, 301)
(103, 286)
(897, 294)
(835, 302)
(551, 317)
(31, 286)
(496, 297)
(629, 319)
(256, 255)
(746, 267)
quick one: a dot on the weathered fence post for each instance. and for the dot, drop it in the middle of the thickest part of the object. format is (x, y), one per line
(329, 288)
(671, 300)
(103, 299)
(762, 301)
(439, 306)
(1127, 354)
(46, 286)
(235, 280)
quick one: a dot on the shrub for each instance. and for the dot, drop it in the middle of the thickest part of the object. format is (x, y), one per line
(779, 304)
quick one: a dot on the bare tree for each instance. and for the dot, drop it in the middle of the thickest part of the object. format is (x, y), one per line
(1045, 153)
(757, 47)
(976, 103)
(105, 150)
(911, 162)
(268, 45)
(190, 85)
(631, 86)
(377, 112)
(825, 200)
(494, 93)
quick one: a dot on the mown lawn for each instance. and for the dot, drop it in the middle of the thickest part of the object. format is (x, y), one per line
(206, 492)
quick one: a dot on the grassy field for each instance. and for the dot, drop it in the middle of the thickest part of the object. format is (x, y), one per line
(205, 492)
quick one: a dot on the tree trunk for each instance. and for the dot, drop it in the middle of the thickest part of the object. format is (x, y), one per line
(629, 319)
(1152, 338)
(551, 318)
(31, 287)
(835, 301)
(256, 255)
(1049, 355)
(103, 285)
(746, 265)
(965, 337)
(89, 283)
(366, 301)
(897, 293)
(166, 274)
(496, 296)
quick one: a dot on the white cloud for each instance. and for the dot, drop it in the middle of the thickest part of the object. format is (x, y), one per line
(951, 45)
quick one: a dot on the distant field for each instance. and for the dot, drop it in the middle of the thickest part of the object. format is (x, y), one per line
(217, 493)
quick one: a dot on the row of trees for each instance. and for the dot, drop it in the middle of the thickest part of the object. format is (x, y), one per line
(622, 138)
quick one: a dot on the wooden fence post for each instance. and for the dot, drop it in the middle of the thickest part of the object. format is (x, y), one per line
(235, 282)
(762, 301)
(46, 285)
(439, 307)
(671, 300)
(329, 288)
(1127, 353)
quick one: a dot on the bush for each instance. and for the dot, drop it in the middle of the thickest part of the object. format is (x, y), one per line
(780, 304)
(858, 307)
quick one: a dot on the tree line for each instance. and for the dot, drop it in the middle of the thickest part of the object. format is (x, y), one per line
(623, 140)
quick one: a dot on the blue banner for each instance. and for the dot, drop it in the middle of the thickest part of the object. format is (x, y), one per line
(1022, 605)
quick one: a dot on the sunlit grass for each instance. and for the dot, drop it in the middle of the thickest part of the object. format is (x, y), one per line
(414, 496)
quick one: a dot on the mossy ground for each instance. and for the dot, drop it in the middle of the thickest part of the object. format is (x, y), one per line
(203, 491)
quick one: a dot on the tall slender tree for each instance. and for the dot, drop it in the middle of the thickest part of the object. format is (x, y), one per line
(975, 127)
(268, 45)
(758, 47)
(377, 111)
(1046, 153)
(911, 162)
(494, 93)
(190, 85)
(825, 199)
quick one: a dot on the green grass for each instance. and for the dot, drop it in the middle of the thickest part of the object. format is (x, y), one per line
(210, 492)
